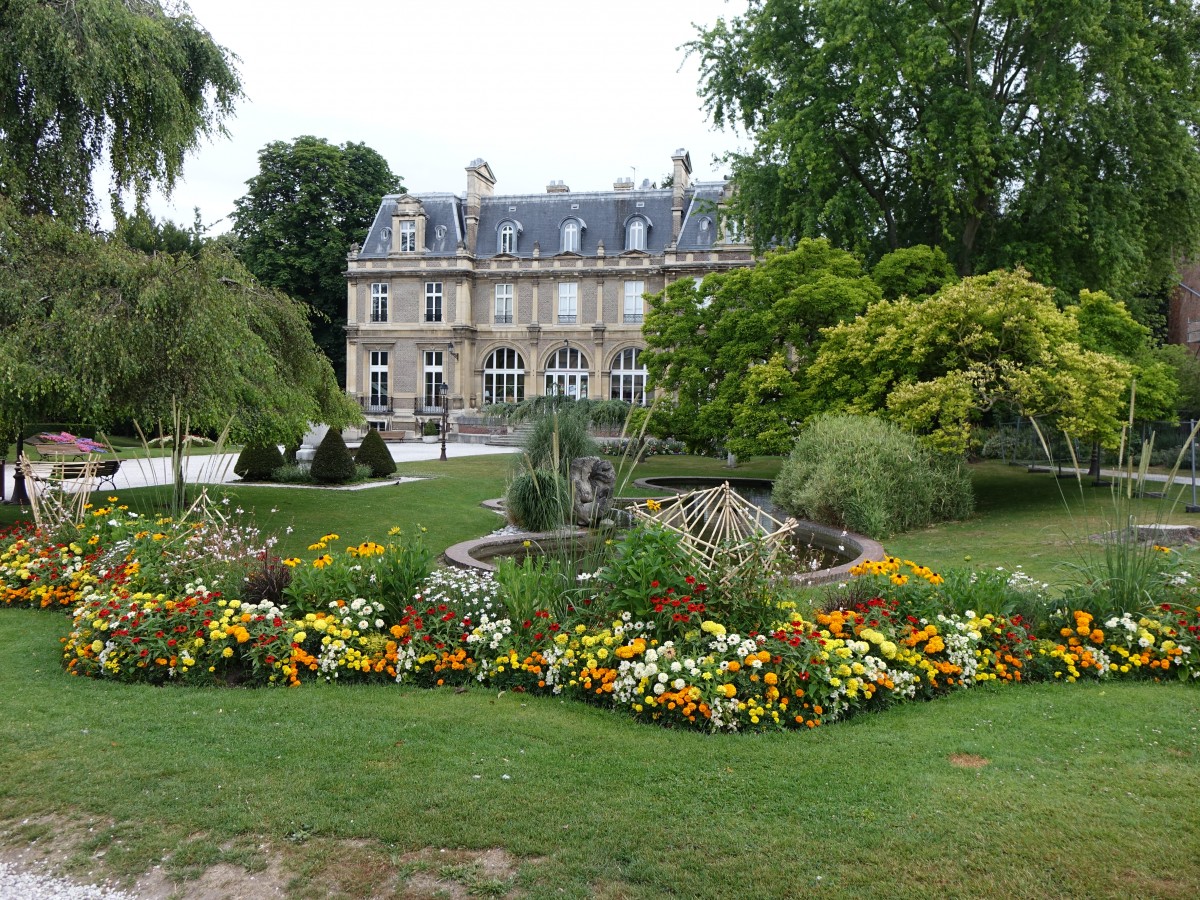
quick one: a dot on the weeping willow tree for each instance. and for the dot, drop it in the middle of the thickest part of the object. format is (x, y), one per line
(86, 83)
(92, 330)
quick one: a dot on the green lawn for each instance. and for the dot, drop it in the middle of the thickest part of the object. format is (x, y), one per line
(1046, 791)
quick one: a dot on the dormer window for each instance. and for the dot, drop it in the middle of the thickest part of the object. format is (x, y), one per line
(408, 237)
(507, 238)
(635, 234)
(570, 236)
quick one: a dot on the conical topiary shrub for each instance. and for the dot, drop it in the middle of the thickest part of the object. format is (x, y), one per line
(373, 452)
(332, 463)
(258, 461)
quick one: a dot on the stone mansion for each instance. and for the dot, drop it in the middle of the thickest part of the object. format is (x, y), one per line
(479, 298)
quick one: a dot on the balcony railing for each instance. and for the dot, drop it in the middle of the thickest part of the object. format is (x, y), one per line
(633, 318)
(566, 320)
(376, 404)
(503, 319)
(428, 406)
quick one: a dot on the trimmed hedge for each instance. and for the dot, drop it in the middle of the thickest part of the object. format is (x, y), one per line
(373, 452)
(257, 462)
(332, 463)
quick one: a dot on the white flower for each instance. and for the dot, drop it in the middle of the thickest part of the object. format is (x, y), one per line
(363, 624)
(379, 623)
(678, 684)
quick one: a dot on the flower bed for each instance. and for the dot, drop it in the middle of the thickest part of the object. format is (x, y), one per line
(150, 604)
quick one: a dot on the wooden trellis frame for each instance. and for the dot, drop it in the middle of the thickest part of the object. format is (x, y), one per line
(53, 505)
(719, 528)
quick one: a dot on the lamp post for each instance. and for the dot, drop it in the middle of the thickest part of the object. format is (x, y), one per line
(445, 389)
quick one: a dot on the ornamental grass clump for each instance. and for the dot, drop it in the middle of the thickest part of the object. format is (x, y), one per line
(538, 500)
(869, 476)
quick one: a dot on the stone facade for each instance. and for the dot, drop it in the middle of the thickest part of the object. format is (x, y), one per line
(500, 297)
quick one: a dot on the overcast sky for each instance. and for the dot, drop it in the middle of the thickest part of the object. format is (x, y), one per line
(541, 89)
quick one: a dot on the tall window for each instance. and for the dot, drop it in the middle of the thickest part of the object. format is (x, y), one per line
(504, 304)
(629, 377)
(568, 302)
(433, 301)
(633, 302)
(570, 236)
(508, 238)
(635, 234)
(504, 377)
(377, 397)
(408, 237)
(567, 373)
(433, 377)
(379, 302)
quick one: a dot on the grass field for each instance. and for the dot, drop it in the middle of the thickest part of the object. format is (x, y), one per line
(366, 791)
(1047, 791)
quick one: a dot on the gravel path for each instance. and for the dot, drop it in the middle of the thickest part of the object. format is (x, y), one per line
(16, 885)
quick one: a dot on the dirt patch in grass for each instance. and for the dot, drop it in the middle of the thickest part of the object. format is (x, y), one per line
(968, 760)
(260, 870)
(460, 874)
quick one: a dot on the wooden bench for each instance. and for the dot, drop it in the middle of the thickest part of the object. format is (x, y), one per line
(54, 471)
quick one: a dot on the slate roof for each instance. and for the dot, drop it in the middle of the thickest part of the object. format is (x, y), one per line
(538, 218)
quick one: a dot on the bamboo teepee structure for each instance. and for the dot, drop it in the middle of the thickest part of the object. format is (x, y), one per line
(721, 530)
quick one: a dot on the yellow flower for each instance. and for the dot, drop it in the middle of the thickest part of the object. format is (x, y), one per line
(227, 652)
(653, 505)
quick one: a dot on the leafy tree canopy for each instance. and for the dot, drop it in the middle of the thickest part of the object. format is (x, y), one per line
(1060, 136)
(704, 342)
(913, 272)
(92, 330)
(309, 201)
(939, 365)
(120, 82)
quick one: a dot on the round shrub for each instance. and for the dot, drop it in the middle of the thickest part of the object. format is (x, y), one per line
(538, 500)
(257, 462)
(871, 477)
(373, 452)
(332, 463)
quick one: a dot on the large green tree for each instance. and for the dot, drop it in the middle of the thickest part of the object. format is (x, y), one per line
(86, 82)
(309, 201)
(705, 343)
(94, 330)
(1059, 135)
(938, 366)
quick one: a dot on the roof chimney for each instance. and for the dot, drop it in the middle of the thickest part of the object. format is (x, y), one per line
(681, 172)
(623, 184)
(557, 187)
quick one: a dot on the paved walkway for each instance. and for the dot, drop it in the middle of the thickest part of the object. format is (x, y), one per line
(137, 471)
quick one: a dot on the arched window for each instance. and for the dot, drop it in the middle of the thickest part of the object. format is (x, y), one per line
(635, 234)
(503, 377)
(508, 239)
(570, 236)
(629, 377)
(567, 373)
(706, 230)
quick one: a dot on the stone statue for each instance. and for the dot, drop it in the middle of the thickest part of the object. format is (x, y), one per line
(592, 481)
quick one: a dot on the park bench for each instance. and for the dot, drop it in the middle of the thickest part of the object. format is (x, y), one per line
(56, 471)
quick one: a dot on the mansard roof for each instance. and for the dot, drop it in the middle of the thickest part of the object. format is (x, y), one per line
(603, 216)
